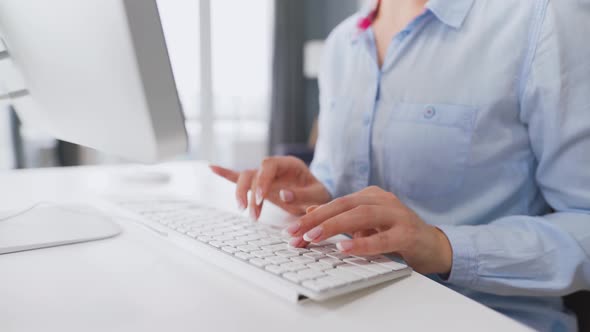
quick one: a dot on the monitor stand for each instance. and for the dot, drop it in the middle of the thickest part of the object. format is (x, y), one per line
(51, 226)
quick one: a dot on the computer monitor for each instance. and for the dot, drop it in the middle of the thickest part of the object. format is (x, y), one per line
(96, 73)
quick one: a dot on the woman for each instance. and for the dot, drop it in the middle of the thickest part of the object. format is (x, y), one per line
(456, 134)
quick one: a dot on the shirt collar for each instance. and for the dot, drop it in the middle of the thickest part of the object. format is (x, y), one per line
(450, 12)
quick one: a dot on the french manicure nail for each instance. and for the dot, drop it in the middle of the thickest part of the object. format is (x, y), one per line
(241, 205)
(344, 245)
(313, 234)
(258, 196)
(253, 214)
(293, 228)
(286, 195)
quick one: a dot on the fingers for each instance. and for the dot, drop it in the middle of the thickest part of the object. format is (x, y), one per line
(306, 195)
(298, 242)
(310, 209)
(375, 244)
(255, 202)
(225, 173)
(364, 233)
(330, 210)
(244, 184)
(266, 176)
(360, 218)
(273, 167)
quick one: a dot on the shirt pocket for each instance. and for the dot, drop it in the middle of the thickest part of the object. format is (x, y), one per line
(426, 148)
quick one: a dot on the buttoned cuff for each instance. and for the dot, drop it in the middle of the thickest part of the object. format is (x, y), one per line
(464, 266)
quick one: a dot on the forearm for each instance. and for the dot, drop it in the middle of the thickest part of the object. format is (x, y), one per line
(522, 255)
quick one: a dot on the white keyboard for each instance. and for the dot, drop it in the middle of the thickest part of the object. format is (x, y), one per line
(260, 253)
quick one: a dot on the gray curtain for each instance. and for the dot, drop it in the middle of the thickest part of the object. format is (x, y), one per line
(288, 83)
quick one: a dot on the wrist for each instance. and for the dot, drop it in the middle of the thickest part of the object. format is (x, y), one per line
(444, 252)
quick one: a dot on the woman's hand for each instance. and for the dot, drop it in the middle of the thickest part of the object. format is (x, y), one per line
(285, 181)
(379, 223)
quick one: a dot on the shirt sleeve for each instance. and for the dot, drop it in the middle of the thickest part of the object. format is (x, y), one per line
(550, 254)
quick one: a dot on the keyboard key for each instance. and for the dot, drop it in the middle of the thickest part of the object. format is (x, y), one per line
(260, 242)
(276, 269)
(302, 260)
(294, 266)
(248, 238)
(331, 261)
(192, 234)
(319, 266)
(224, 238)
(365, 273)
(332, 281)
(182, 230)
(316, 286)
(244, 255)
(298, 250)
(311, 273)
(230, 250)
(262, 253)
(205, 239)
(275, 239)
(324, 250)
(370, 258)
(266, 242)
(275, 247)
(217, 244)
(249, 248)
(388, 263)
(294, 277)
(278, 260)
(338, 255)
(234, 234)
(212, 233)
(314, 255)
(235, 243)
(360, 262)
(225, 230)
(344, 275)
(287, 253)
(259, 262)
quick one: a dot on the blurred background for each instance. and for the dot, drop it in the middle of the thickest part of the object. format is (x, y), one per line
(246, 73)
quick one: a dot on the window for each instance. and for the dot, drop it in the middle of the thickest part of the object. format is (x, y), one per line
(240, 66)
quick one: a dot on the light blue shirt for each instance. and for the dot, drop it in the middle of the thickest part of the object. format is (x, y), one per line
(478, 120)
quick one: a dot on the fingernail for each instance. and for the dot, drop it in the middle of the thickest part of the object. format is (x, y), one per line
(241, 205)
(344, 245)
(293, 228)
(253, 214)
(286, 195)
(295, 242)
(258, 196)
(313, 234)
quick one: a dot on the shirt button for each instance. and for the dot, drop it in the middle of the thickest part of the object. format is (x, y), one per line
(429, 112)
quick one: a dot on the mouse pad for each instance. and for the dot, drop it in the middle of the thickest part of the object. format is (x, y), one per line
(43, 227)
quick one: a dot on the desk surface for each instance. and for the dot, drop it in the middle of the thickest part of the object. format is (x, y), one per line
(140, 282)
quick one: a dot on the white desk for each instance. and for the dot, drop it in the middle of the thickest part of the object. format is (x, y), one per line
(139, 282)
